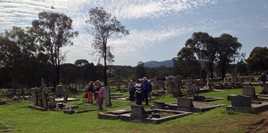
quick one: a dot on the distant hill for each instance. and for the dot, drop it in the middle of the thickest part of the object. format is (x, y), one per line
(152, 64)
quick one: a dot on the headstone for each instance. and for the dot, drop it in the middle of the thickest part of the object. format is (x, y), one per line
(265, 89)
(185, 103)
(44, 99)
(234, 75)
(137, 112)
(59, 91)
(248, 90)
(51, 102)
(192, 89)
(176, 92)
(240, 101)
(170, 86)
(34, 96)
(159, 105)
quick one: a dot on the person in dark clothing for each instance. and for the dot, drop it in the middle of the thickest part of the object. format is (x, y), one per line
(131, 90)
(146, 90)
(138, 91)
(263, 78)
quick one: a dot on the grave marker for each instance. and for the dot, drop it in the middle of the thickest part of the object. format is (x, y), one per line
(137, 112)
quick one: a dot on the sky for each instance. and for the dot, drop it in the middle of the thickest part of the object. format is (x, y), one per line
(158, 28)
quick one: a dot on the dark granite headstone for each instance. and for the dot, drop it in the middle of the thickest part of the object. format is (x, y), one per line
(240, 101)
(159, 105)
(185, 104)
(137, 112)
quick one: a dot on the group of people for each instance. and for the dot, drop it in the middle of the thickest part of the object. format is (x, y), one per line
(94, 89)
(140, 90)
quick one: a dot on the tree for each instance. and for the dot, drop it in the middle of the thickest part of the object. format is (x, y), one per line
(228, 50)
(258, 59)
(241, 67)
(53, 31)
(70, 73)
(9, 54)
(186, 64)
(205, 48)
(102, 27)
(140, 71)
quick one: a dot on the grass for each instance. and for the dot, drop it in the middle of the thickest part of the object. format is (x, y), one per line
(26, 120)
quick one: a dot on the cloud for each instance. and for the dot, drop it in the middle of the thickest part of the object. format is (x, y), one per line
(23, 12)
(125, 48)
(131, 45)
(135, 9)
(15, 11)
(264, 25)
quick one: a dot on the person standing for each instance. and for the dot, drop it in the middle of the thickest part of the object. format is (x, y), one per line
(101, 97)
(263, 78)
(96, 90)
(90, 91)
(138, 91)
(131, 90)
(146, 90)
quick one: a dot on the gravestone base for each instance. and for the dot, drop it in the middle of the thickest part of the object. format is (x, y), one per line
(138, 114)
(70, 111)
(37, 107)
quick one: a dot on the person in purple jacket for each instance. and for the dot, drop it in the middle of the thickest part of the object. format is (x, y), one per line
(101, 97)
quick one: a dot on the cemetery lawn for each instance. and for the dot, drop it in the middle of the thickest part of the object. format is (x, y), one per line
(25, 120)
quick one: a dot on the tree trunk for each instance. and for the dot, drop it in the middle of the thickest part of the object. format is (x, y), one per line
(210, 64)
(223, 70)
(109, 103)
(58, 64)
(57, 74)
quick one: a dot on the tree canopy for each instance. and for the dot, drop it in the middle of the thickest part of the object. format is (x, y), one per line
(205, 51)
(258, 59)
(53, 31)
(103, 26)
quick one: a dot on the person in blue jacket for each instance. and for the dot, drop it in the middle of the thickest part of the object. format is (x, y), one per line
(147, 87)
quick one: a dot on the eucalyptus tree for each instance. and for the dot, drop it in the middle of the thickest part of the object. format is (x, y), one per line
(102, 26)
(53, 31)
(228, 51)
(258, 59)
(140, 70)
(9, 54)
(204, 48)
(186, 64)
